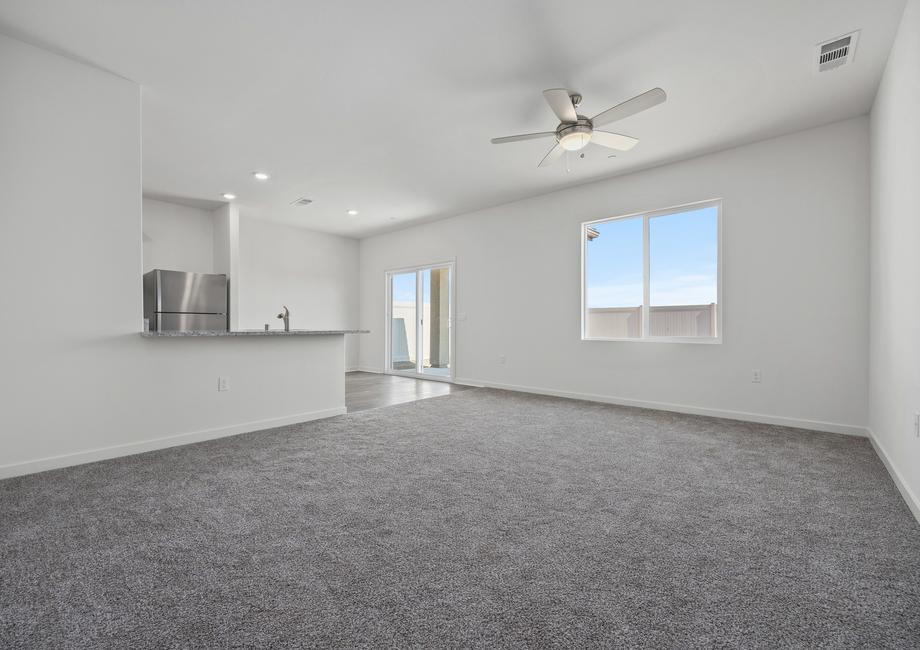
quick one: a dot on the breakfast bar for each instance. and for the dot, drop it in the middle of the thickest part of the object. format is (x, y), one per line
(171, 334)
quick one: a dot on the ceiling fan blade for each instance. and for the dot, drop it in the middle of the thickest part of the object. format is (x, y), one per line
(525, 136)
(632, 106)
(559, 100)
(554, 154)
(613, 140)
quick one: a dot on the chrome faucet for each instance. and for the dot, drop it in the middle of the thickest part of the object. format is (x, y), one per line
(286, 317)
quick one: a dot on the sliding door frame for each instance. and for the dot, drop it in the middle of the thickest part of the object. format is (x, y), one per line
(419, 314)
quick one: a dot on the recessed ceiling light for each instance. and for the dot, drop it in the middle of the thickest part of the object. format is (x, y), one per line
(353, 212)
(260, 176)
(228, 196)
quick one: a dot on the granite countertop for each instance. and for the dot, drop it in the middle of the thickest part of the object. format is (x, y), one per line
(157, 335)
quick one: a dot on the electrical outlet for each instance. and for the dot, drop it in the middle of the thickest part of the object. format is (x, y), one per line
(223, 383)
(501, 359)
(756, 377)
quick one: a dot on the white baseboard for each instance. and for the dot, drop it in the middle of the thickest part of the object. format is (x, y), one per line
(813, 425)
(376, 371)
(909, 497)
(130, 448)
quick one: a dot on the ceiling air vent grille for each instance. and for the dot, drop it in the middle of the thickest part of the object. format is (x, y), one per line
(302, 201)
(836, 52)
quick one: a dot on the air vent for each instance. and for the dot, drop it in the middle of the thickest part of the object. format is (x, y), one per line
(302, 201)
(836, 52)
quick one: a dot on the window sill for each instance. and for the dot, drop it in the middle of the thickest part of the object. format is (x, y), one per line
(661, 339)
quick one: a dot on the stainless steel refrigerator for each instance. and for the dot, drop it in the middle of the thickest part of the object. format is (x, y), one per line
(186, 302)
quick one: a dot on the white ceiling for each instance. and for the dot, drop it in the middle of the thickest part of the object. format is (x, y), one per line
(388, 107)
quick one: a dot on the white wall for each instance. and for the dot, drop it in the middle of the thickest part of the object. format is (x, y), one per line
(894, 377)
(795, 231)
(177, 237)
(314, 274)
(227, 255)
(77, 381)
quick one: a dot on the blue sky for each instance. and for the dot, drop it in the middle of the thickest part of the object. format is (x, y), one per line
(404, 287)
(683, 249)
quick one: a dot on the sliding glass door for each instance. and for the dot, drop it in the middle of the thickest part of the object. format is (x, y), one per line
(404, 321)
(419, 337)
(435, 323)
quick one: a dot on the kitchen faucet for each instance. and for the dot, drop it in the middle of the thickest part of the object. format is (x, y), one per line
(286, 317)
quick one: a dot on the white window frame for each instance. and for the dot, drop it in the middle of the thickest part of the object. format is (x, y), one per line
(646, 217)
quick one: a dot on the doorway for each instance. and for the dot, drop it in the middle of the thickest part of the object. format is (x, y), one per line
(420, 338)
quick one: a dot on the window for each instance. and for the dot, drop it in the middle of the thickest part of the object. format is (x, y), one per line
(653, 276)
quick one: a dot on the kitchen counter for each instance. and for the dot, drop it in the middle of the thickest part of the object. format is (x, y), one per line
(218, 383)
(177, 334)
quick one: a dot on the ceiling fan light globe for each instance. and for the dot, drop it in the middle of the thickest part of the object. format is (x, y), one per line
(575, 141)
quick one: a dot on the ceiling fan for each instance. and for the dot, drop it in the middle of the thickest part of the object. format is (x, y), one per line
(576, 131)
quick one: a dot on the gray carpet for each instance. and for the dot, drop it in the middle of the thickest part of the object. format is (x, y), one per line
(480, 519)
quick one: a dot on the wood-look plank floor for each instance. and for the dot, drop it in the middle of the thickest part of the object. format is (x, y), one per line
(368, 390)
